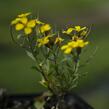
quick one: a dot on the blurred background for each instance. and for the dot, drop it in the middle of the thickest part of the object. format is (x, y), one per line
(15, 67)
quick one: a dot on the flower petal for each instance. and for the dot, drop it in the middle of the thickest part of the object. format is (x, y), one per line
(81, 43)
(68, 31)
(58, 40)
(45, 27)
(68, 50)
(24, 14)
(31, 23)
(19, 26)
(64, 47)
(27, 30)
(43, 41)
(77, 28)
(24, 20)
(73, 44)
(15, 21)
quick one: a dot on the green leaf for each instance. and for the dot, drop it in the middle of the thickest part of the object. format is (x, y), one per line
(43, 83)
(30, 55)
(19, 36)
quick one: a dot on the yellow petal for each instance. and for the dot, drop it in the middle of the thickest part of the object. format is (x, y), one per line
(86, 43)
(19, 26)
(58, 40)
(80, 43)
(64, 47)
(68, 50)
(23, 20)
(46, 40)
(68, 31)
(73, 44)
(43, 41)
(24, 14)
(31, 23)
(15, 21)
(28, 31)
(45, 27)
(77, 28)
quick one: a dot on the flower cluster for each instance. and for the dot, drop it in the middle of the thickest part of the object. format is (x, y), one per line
(51, 50)
(76, 34)
(73, 44)
(77, 39)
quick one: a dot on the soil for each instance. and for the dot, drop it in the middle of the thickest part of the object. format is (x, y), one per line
(67, 101)
(16, 101)
(26, 101)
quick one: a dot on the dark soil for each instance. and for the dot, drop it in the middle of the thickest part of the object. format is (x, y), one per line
(65, 101)
(19, 101)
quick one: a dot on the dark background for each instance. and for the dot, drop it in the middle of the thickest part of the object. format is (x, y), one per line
(15, 72)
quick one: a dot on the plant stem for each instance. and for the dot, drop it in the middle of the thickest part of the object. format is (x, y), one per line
(55, 62)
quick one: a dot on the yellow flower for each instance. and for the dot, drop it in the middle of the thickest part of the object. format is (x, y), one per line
(22, 23)
(69, 47)
(58, 40)
(26, 25)
(43, 41)
(81, 43)
(78, 28)
(19, 20)
(24, 14)
(68, 31)
(44, 28)
(73, 44)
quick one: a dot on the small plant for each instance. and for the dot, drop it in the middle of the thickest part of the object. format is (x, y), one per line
(57, 54)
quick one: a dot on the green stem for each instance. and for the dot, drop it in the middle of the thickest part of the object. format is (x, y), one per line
(76, 66)
(31, 47)
(55, 62)
(40, 67)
